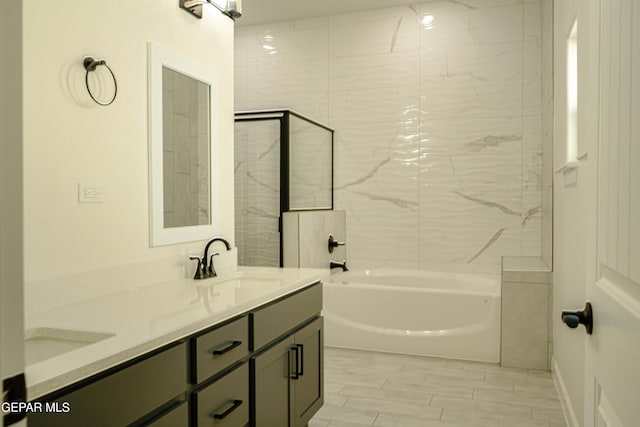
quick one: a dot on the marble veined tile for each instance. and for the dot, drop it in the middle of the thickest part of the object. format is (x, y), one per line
(460, 6)
(288, 37)
(533, 22)
(461, 26)
(388, 69)
(361, 108)
(373, 32)
(532, 158)
(467, 134)
(437, 109)
(466, 95)
(467, 235)
(289, 69)
(385, 230)
(493, 62)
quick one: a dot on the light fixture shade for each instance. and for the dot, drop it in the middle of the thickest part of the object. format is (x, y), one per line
(234, 8)
(231, 8)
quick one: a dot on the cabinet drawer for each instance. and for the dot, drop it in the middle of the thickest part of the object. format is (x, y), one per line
(176, 417)
(280, 317)
(219, 349)
(225, 403)
(124, 396)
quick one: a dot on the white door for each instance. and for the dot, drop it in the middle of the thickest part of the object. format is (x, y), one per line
(612, 363)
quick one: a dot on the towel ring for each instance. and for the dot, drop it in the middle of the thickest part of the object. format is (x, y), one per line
(90, 64)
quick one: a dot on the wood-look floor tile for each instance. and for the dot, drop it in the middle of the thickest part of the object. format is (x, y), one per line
(522, 398)
(434, 389)
(334, 399)
(468, 383)
(489, 419)
(395, 420)
(319, 422)
(393, 407)
(389, 395)
(349, 415)
(368, 388)
(480, 406)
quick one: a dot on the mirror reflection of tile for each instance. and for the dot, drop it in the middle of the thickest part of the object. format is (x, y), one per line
(185, 150)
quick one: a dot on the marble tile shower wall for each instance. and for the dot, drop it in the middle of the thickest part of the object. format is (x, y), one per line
(437, 111)
(257, 175)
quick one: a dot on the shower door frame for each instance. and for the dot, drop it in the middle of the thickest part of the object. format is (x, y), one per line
(283, 115)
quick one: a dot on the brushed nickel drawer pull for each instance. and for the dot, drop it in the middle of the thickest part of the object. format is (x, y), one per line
(227, 349)
(235, 404)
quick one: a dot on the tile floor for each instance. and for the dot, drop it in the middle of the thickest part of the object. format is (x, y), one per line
(376, 389)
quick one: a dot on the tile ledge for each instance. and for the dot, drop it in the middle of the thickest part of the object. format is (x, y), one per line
(524, 264)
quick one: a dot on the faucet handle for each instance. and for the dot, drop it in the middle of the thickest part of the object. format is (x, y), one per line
(333, 243)
(199, 273)
(212, 271)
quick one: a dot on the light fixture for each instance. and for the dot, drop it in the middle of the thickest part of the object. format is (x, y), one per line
(231, 8)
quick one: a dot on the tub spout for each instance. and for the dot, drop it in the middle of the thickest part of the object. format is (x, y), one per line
(338, 264)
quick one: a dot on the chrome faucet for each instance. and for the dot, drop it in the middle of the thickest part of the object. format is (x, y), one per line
(205, 264)
(338, 264)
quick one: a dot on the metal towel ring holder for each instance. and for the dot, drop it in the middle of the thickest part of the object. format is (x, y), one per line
(90, 64)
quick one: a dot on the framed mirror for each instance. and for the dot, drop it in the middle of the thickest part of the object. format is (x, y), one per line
(184, 145)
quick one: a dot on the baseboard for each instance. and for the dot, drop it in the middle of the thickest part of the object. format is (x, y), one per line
(569, 413)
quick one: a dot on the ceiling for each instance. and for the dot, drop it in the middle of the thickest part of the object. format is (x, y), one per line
(262, 11)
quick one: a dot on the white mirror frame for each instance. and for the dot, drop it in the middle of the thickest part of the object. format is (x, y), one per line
(159, 235)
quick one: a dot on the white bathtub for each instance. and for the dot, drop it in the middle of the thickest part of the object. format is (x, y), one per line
(452, 315)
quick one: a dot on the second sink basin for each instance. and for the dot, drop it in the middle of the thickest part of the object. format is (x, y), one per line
(45, 343)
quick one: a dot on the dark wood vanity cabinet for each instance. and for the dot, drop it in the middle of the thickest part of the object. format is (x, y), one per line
(219, 374)
(287, 371)
(224, 402)
(261, 368)
(288, 379)
(140, 392)
(307, 385)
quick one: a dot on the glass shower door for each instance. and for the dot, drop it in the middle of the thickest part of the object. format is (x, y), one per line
(257, 189)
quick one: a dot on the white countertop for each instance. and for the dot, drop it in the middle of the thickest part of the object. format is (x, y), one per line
(149, 317)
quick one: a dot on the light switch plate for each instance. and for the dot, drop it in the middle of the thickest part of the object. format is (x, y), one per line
(90, 193)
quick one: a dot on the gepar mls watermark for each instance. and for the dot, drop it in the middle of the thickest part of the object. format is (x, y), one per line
(35, 407)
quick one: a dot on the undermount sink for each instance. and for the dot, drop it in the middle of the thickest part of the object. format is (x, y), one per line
(45, 343)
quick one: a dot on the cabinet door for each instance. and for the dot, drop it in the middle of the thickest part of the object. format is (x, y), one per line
(307, 393)
(271, 385)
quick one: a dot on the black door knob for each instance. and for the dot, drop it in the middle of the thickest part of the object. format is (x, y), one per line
(573, 318)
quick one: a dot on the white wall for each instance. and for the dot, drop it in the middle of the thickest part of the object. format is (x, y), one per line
(68, 139)
(438, 149)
